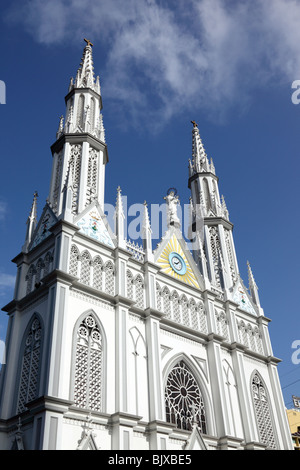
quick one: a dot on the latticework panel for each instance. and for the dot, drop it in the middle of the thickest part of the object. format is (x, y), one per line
(262, 411)
(109, 278)
(139, 292)
(30, 366)
(73, 267)
(97, 273)
(183, 399)
(85, 272)
(129, 283)
(88, 366)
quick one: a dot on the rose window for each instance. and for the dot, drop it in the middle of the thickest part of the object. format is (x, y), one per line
(184, 402)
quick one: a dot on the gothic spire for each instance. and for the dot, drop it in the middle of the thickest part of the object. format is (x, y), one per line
(252, 286)
(85, 74)
(147, 234)
(199, 156)
(120, 219)
(31, 221)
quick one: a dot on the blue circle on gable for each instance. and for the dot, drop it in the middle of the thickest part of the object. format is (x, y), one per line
(177, 263)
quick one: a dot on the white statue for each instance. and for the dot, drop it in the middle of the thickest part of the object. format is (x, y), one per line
(172, 201)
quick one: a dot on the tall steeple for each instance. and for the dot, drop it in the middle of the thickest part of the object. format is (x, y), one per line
(216, 242)
(80, 152)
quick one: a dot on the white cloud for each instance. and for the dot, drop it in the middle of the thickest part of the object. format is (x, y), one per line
(169, 57)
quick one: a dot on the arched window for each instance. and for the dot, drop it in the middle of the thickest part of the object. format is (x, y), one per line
(176, 307)
(166, 302)
(47, 263)
(129, 283)
(73, 269)
(29, 379)
(92, 114)
(80, 111)
(97, 272)
(29, 278)
(183, 399)
(109, 278)
(88, 365)
(185, 311)
(202, 317)
(85, 272)
(206, 193)
(194, 315)
(262, 412)
(139, 291)
(158, 297)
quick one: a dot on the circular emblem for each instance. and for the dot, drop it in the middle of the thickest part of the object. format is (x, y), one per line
(177, 263)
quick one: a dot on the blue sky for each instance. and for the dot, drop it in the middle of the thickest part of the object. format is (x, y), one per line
(228, 65)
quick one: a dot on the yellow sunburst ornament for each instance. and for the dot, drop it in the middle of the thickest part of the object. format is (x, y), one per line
(174, 262)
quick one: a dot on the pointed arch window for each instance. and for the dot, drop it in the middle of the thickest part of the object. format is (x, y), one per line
(74, 256)
(88, 365)
(29, 379)
(262, 412)
(129, 283)
(183, 399)
(92, 114)
(185, 311)
(97, 272)
(158, 297)
(109, 278)
(29, 278)
(166, 302)
(176, 307)
(80, 111)
(139, 291)
(85, 272)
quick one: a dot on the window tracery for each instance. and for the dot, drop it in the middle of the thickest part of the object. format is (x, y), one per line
(88, 365)
(183, 399)
(262, 412)
(29, 381)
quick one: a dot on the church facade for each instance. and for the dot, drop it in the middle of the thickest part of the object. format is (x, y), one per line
(115, 346)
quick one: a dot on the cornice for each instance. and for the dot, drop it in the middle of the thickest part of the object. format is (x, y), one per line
(202, 174)
(78, 138)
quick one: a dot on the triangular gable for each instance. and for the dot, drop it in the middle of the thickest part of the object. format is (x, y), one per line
(242, 298)
(176, 260)
(88, 442)
(195, 441)
(47, 220)
(92, 222)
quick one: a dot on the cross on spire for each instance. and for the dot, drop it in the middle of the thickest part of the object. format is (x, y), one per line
(88, 42)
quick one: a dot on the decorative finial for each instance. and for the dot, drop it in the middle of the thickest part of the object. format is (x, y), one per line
(88, 42)
(194, 123)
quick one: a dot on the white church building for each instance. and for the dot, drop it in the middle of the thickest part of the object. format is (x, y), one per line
(113, 345)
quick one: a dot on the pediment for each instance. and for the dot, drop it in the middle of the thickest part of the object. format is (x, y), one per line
(195, 441)
(174, 259)
(241, 297)
(92, 222)
(42, 231)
